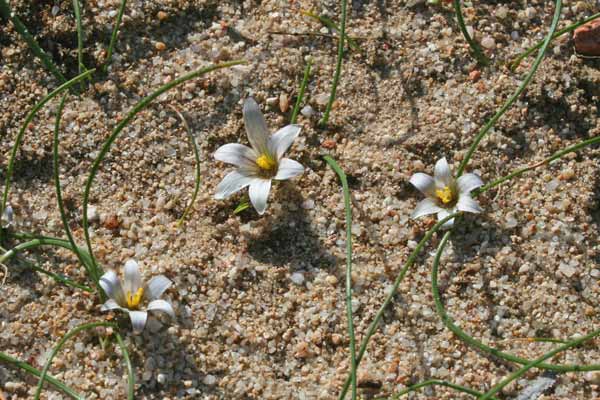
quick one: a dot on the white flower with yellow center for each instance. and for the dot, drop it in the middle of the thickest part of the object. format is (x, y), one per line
(133, 294)
(259, 164)
(445, 195)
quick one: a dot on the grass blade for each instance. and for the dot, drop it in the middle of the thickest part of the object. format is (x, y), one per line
(8, 14)
(301, 92)
(53, 381)
(28, 119)
(436, 382)
(77, 12)
(113, 36)
(475, 48)
(348, 208)
(113, 136)
(338, 66)
(129, 366)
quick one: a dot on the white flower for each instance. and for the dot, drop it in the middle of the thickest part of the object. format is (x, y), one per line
(7, 217)
(133, 293)
(445, 195)
(259, 165)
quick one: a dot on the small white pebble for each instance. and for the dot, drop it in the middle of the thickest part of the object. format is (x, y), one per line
(307, 111)
(297, 278)
(308, 204)
(161, 378)
(488, 42)
(92, 214)
(209, 380)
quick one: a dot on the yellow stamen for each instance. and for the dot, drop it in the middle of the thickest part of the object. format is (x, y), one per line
(445, 194)
(266, 162)
(133, 300)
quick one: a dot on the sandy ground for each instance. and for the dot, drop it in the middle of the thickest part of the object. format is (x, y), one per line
(528, 267)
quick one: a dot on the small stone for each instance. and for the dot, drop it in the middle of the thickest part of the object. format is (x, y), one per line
(92, 214)
(160, 46)
(111, 222)
(501, 12)
(161, 378)
(55, 10)
(475, 75)
(322, 99)
(162, 15)
(307, 111)
(308, 204)
(284, 102)
(329, 144)
(302, 350)
(331, 279)
(587, 38)
(595, 273)
(566, 270)
(336, 339)
(209, 380)
(297, 278)
(488, 42)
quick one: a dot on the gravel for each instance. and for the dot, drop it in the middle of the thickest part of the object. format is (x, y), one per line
(260, 301)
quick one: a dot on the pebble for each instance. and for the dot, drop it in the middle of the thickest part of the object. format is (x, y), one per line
(587, 38)
(92, 214)
(307, 111)
(161, 378)
(160, 46)
(209, 380)
(332, 280)
(162, 15)
(284, 102)
(297, 278)
(488, 42)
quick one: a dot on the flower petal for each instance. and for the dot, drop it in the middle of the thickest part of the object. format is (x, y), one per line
(156, 287)
(466, 203)
(110, 305)
(236, 154)
(256, 127)
(259, 192)
(425, 207)
(423, 182)
(132, 280)
(442, 174)
(467, 182)
(112, 286)
(283, 139)
(288, 169)
(233, 182)
(138, 320)
(443, 214)
(163, 306)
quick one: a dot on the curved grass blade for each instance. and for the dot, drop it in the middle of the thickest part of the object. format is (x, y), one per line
(53, 381)
(28, 119)
(515, 95)
(197, 158)
(129, 366)
(437, 382)
(113, 136)
(60, 344)
(348, 208)
(113, 36)
(8, 14)
(388, 299)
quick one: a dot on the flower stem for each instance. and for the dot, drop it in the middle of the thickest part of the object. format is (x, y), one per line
(475, 48)
(348, 208)
(518, 92)
(338, 66)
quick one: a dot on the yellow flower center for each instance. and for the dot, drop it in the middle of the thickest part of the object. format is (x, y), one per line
(266, 162)
(133, 300)
(445, 194)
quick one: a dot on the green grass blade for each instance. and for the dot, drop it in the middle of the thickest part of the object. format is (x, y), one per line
(77, 12)
(489, 125)
(348, 209)
(28, 119)
(113, 136)
(475, 48)
(328, 22)
(28, 368)
(196, 152)
(8, 14)
(437, 382)
(60, 344)
(338, 66)
(301, 92)
(517, 61)
(113, 37)
(388, 299)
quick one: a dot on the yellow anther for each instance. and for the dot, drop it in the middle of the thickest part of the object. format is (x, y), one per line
(133, 300)
(445, 194)
(266, 162)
